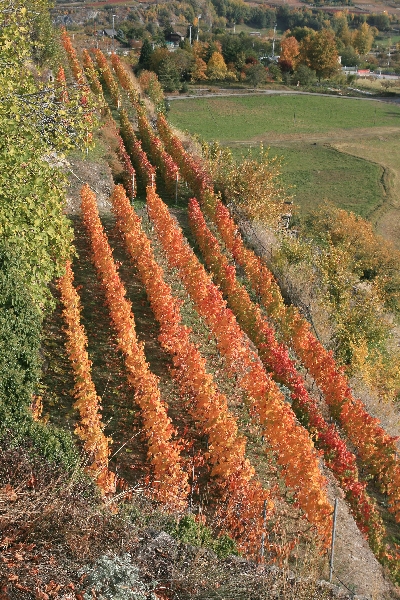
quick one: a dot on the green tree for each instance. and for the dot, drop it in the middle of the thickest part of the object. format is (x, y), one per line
(304, 75)
(256, 75)
(145, 55)
(168, 75)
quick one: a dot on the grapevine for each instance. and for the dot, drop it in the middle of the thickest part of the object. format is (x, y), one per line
(90, 428)
(135, 150)
(108, 77)
(170, 481)
(209, 408)
(124, 79)
(375, 448)
(276, 359)
(293, 447)
(153, 145)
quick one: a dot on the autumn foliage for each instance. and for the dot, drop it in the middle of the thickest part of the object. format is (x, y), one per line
(241, 495)
(276, 359)
(136, 152)
(90, 427)
(125, 79)
(72, 58)
(375, 448)
(153, 145)
(294, 449)
(170, 481)
(108, 77)
(94, 82)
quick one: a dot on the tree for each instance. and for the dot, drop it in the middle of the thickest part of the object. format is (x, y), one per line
(252, 185)
(256, 74)
(157, 56)
(145, 55)
(305, 75)
(319, 52)
(168, 75)
(289, 52)
(199, 70)
(216, 67)
(363, 39)
(349, 57)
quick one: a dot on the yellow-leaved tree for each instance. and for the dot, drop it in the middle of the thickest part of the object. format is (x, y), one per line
(217, 69)
(251, 185)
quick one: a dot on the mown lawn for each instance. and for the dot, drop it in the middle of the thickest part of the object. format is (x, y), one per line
(254, 117)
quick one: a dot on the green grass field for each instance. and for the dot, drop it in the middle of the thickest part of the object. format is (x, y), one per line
(259, 117)
(318, 173)
(315, 173)
(307, 132)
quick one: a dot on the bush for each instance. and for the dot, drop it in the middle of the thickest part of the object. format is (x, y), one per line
(116, 578)
(20, 327)
(189, 531)
(20, 331)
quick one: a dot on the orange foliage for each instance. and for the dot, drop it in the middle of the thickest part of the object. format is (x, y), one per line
(124, 79)
(108, 77)
(90, 428)
(294, 449)
(377, 450)
(170, 481)
(242, 495)
(276, 359)
(168, 168)
(61, 85)
(135, 150)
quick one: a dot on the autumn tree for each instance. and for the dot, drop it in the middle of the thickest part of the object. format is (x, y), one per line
(289, 52)
(363, 39)
(199, 69)
(252, 185)
(318, 51)
(216, 67)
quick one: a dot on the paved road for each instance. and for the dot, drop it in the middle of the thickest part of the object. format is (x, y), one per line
(224, 93)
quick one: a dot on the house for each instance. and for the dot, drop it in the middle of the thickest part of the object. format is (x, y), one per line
(175, 37)
(111, 33)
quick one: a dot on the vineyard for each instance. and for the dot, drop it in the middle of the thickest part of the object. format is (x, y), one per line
(175, 363)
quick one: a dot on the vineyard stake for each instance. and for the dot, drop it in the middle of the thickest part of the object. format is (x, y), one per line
(176, 188)
(265, 524)
(333, 541)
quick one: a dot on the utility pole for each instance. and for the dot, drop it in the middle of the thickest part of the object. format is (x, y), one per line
(263, 533)
(113, 32)
(190, 34)
(273, 42)
(198, 26)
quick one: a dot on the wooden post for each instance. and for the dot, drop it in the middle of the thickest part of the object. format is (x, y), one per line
(333, 541)
(263, 534)
(176, 188)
